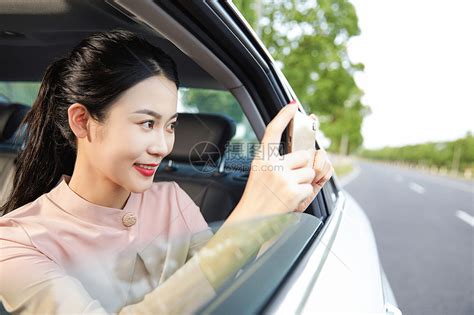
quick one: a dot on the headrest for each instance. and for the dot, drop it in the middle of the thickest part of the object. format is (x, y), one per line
(11, 116)
(201, 138)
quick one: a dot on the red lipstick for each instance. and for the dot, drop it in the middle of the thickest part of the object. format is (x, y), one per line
(145, 171)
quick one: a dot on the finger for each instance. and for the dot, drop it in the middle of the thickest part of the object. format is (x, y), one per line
(305, 203)
(321, 165)
(303, 175)
(312, 156)
(298, 159)
(278, 124)
(319, 159)
(326, 174)
(306, 191)
(320, 172)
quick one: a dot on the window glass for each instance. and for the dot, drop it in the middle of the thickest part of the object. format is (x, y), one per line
(328, 197)
(276, 241)
(19, 92)
(217, 102)
(241, 148)
(331, 190)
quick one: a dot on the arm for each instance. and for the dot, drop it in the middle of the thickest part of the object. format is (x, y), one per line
(32, 283)
(224, 254)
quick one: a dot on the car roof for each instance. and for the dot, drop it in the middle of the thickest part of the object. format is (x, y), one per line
(35, 33)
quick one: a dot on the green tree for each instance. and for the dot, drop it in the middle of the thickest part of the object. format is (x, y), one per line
(19, 92)
(222, 102)
(309, 40)
(455, 155)
(212, 101)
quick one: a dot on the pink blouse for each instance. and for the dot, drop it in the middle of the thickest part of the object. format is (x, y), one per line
(63, 254)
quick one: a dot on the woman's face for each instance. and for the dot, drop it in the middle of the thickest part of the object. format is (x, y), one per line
(138, 130)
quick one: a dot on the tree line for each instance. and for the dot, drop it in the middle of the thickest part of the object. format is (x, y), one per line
(457, 155)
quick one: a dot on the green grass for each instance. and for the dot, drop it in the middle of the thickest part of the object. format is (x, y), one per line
(342, 170)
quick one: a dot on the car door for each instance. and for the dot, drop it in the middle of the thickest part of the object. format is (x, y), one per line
(342, 263)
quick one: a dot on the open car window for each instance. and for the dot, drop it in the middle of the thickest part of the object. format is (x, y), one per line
(18, 92)
(217, 102)
(241, 148)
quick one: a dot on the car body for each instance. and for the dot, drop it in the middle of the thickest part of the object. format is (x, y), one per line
(328, 261)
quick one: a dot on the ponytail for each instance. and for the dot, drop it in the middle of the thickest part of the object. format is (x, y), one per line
(41, 163)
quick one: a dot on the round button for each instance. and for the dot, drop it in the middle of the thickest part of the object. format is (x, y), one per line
(129, 219)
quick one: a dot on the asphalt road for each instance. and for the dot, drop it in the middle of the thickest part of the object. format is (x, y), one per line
(424, 228)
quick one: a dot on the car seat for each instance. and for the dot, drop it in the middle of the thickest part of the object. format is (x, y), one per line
(197, 164)
(11, 139)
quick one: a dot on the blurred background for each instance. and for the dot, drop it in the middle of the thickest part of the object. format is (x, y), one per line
(391, 83)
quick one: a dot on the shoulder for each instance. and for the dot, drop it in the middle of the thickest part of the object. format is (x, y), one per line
(15, 241)
(30, 209)
(12, 224)
(29, 226)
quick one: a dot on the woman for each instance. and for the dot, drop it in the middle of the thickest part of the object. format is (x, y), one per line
(87, 229)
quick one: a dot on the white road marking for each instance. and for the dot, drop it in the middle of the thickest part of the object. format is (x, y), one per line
(448, 182)
(453, 183)
(416, 188)
(466, 217)
(467, 188)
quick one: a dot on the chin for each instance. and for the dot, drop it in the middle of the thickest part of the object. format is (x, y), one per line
(144, 185)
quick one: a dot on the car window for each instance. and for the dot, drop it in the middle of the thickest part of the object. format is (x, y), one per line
(18, 92)
(329, 197)
(241, 148)
(331, 191)
(234, 263)
(239, 260)
(284, 239)
(217, 102)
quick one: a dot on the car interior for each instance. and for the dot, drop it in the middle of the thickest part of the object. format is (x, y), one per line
(33, 34)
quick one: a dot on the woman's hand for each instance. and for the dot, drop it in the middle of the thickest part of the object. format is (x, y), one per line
(279, 184)
(324, 171)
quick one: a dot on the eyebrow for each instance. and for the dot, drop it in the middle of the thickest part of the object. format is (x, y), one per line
(152, 113)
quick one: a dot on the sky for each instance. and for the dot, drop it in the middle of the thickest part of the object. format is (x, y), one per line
(419, 70)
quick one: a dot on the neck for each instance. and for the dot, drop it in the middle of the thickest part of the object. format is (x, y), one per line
(97, 189)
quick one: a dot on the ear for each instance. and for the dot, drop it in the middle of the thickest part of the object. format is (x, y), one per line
(78, 116)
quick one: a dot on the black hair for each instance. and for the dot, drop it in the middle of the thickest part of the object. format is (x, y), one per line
(94, 74)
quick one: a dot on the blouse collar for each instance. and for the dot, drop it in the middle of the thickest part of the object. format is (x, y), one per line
(66, 199)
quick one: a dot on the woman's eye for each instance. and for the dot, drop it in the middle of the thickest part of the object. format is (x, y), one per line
(148, 124)
(173, 125)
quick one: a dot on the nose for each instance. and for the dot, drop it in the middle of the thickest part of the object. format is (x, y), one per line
(159, 145)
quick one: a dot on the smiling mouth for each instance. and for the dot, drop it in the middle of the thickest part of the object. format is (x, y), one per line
(147, 166)
(147, 170)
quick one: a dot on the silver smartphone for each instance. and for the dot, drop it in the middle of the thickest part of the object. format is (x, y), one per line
(302, 132)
